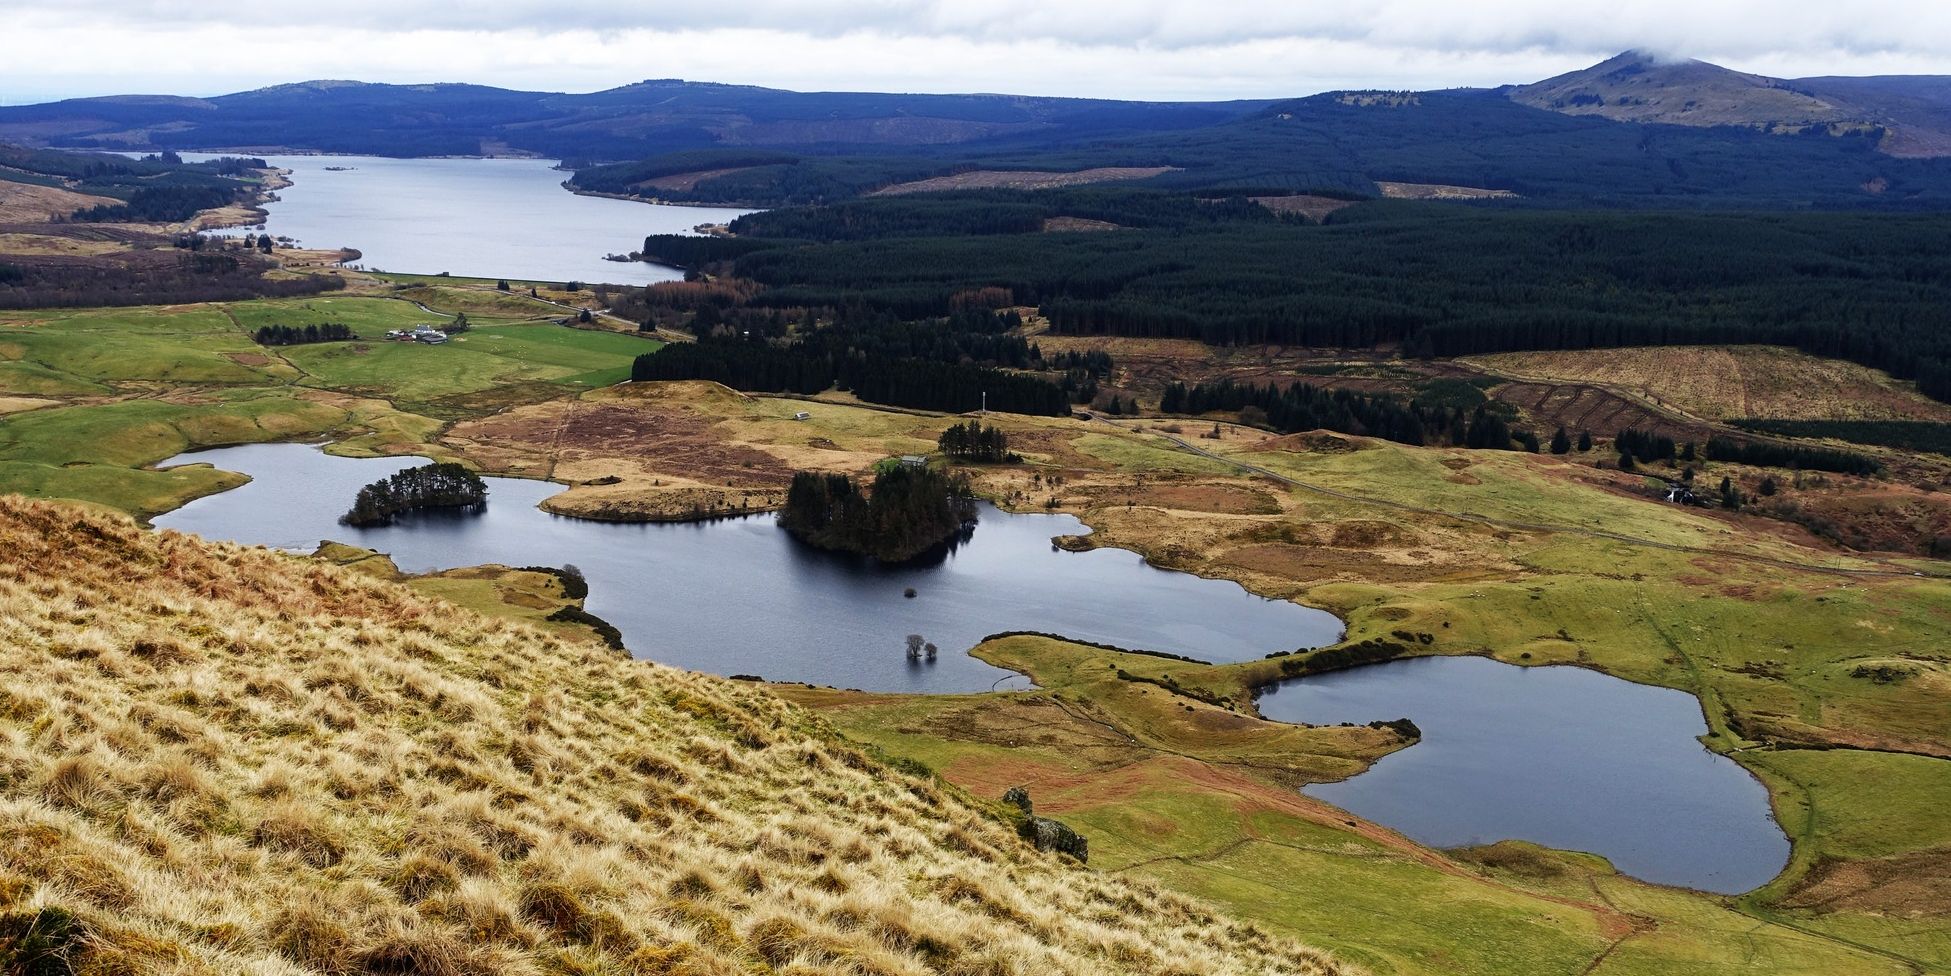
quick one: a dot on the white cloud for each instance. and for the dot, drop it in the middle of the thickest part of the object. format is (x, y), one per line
(1127, 48)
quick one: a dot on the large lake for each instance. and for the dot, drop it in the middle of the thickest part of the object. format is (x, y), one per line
(1562, 756)
(740, 596)
(483, 218)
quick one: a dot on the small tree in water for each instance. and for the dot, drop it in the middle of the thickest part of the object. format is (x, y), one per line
(915, 642)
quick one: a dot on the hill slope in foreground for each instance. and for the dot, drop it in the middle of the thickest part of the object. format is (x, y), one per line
(225, 760)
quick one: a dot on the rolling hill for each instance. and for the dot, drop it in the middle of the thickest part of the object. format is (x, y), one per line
(621, 123)
(219, 759)
(1910, 115)
(1631, 131)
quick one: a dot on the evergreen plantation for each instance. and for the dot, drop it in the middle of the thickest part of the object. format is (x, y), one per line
(949, 365)
(1441, 280)
(907, 512)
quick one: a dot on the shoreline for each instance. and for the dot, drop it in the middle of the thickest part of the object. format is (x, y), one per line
(655, 202)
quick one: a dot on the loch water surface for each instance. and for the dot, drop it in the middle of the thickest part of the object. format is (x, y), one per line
(740, 596)
(1562, 756)
(483, 218)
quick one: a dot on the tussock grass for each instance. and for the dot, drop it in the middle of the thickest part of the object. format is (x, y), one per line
(225, 760)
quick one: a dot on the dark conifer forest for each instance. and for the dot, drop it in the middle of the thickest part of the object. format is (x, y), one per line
(1431, 279)
(950, 364)
(908, 511)
(429, 486)
(1303, 406)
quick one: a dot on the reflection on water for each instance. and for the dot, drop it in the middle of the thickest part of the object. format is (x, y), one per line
(740, 596)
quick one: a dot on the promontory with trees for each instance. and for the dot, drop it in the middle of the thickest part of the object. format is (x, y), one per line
(908, 511)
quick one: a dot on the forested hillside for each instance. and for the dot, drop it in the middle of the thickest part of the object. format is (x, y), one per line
(1345, 143)
(1442, 280)
(160, 188)
(629, 122)
(699, 142)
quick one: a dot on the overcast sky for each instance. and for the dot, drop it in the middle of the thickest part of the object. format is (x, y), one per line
(1166, 49)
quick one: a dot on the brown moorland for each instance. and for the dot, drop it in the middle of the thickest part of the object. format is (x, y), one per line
(221, 759)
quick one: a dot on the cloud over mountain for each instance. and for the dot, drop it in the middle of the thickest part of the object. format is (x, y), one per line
(1134, 48)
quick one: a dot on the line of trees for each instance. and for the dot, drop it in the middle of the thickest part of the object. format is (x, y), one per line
(975, 442)
(1650, 447)
(1771, 455)
(1909, 435)
(1304, 406)
(909, 511)
(756, 365)
(298, 335)
(439, 485)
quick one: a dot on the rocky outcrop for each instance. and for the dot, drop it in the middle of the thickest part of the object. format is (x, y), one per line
(1045, 833)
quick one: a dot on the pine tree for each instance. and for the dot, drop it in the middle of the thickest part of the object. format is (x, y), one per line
(1730, 495)
(1560, 442)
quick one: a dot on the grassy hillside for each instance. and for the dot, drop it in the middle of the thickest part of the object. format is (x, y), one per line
(215, 759)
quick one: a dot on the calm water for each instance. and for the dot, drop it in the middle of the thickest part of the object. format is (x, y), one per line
(741, 597)
(484, 218)
(1563, 756)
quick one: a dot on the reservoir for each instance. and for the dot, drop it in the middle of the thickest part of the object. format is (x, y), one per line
(483, 218)
(1561, 756)
(741, 596)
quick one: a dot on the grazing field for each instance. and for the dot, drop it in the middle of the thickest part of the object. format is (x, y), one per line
(1729, 382)
(113, 391)
(1171, 788)
(430, 378)
(100, 452)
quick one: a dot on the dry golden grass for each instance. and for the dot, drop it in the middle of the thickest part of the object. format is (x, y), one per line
(25, 203)
(227, 760)
(993, 179)
(1728, 382)
(1440, 191)
(19, 404)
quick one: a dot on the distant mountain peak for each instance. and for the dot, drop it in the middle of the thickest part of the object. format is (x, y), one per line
(1641, 86)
